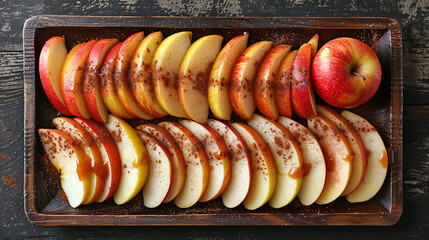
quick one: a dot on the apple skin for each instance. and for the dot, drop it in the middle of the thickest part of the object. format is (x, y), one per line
(346, 72)
(282, 91)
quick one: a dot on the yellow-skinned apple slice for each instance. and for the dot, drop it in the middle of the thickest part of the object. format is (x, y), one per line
(263, 167)
(123, 62)
(72, 79)
(194, 75)
(218, 157)
(197, 166)
(282, 91)
(242, 78)
(109, 153)
(287, 157)
(218, 89)
(241, 170)
(302, 95)
(141, 82)
(70, 159)
(265, 80)
(377, 161)
(314, 41)
(91, 86)
(51, 61)
(338, 157)
(160, 172)
(165, 67)
(134, 159)
(99, 171)
(177, 161)
(357, 147)
(107, 84)
(314, 169)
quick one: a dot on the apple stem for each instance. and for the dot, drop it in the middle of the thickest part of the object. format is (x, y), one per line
(359, 75)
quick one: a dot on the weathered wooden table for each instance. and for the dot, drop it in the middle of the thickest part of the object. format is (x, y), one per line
(413, 15)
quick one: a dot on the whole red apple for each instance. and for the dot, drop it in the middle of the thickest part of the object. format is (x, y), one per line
(346, 72)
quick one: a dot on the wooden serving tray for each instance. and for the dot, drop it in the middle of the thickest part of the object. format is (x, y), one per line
(45, 205)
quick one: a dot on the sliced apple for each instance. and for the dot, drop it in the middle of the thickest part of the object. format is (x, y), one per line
(357, 147)
(177, 161)
(72, 79)
(314, 42)
(109, 154)
(242, 78)
(141, 82)
(314, 169)
(72, 162)
(302, 94)
(134, 159)
(377, 161)
(218, 89)
(287, 157)
(218, 157)
(107, 84)
(196, 161)
(282, 91)
(91, 85)
(51, 61)
(165, 66)
(194, 75)
(263, 167)
(338, 157)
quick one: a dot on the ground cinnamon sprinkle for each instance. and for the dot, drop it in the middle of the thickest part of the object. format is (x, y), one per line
(9, 180)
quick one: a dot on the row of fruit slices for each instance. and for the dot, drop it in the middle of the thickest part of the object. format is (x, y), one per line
(254, 163)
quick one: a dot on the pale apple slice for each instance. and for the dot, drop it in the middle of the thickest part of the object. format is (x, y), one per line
(134, 159)
(263, 167)
(377, 161)
(72, 163)
(218, 157)
(84, 139)
(242, 79)
(358, 149)
(141, 82)
(196, 161)
(165, 66)
(218, 89)
(109, 153)
(177, 161)
(302, 94)
(91, 85)
(314, 41)
(160, 172)
(314, 169)
(265, 80)
(338, 157)
(194, 75)
(287, 157)
(282, 91)
(241, 170)
(107, 84)
(72, 79)
(51, 61)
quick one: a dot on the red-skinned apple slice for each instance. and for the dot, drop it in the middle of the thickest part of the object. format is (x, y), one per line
(265, 79)
(91, 85)
(242, 79)
(338, 157)
(218, 90)
(314, 41)
(314, 168)
(197, 166)
(263, 167)
(109, 153)
(241, 170)
(72, 79)
(51, 61)
(302, 95)
(177, 161)
(72, 162)
(282, 92)
(218, 157)
(377, 161)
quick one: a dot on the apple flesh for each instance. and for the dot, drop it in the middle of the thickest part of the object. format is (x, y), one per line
(314, 41)
(282, 91)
